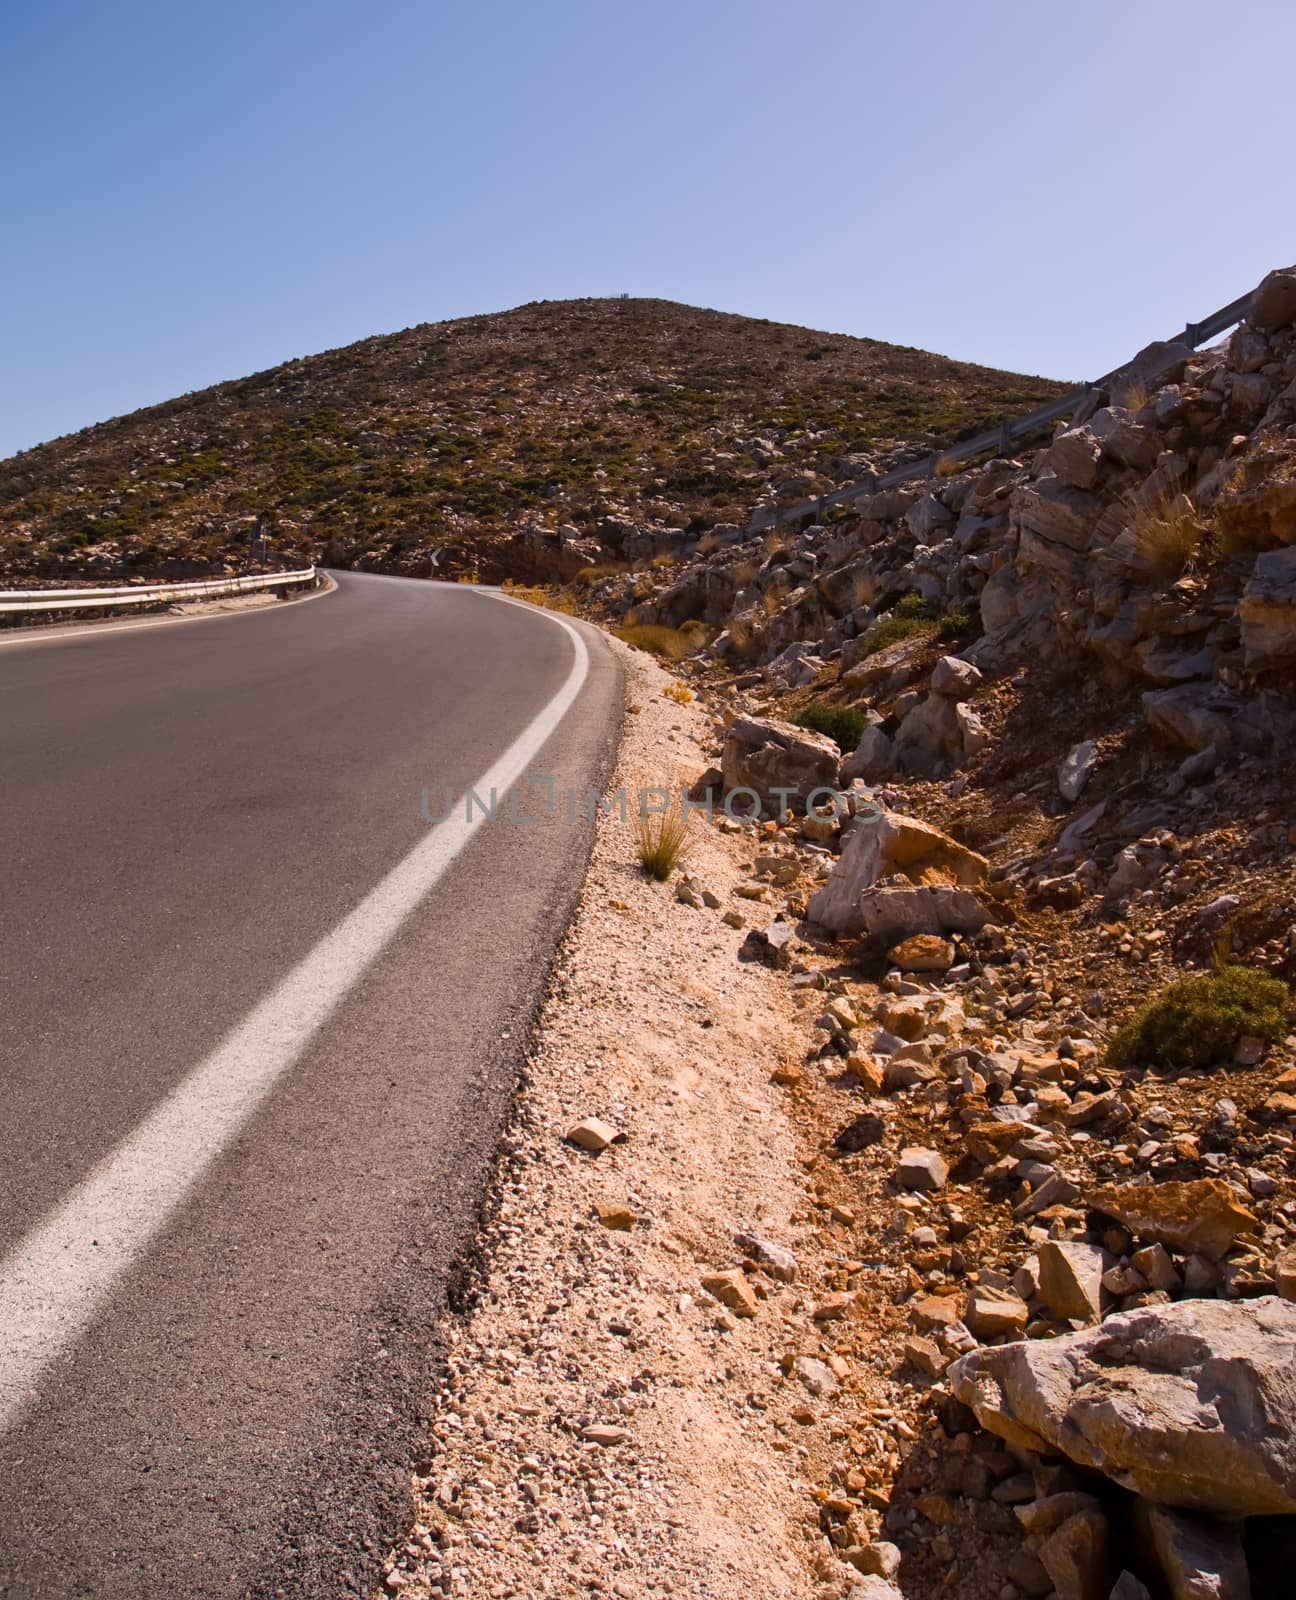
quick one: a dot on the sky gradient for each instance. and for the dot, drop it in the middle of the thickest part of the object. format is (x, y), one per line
(196, 193)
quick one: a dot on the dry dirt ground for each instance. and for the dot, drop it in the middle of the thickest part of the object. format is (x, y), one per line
(609, 1426)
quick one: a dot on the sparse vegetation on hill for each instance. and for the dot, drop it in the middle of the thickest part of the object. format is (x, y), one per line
(624, 420)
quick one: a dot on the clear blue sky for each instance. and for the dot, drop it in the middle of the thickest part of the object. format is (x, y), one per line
(192, 193)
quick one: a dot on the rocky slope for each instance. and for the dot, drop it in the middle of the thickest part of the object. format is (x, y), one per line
(626, 422)
(1058, 795)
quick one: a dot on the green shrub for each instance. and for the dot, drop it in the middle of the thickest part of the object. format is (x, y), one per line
(958, 622)
(845, 724)
(1197, 1022)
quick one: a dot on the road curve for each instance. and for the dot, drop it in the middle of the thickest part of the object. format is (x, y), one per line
(196, 822)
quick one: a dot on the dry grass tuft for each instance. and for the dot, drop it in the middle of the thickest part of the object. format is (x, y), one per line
(678, 693)
(669, 644)
(662, 840)
(1168, 535)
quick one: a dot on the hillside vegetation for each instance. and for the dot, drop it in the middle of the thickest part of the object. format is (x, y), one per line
(619, 419)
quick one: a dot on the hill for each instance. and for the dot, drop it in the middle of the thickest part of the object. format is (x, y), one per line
(615, 418)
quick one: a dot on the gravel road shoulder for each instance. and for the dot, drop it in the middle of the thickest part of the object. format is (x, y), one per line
(607, 1425)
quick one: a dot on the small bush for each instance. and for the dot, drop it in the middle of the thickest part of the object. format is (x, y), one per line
(671, 644)
(662, 842)
(845, 724)
(550, 599)
(958, 622)
(678, 693)
(911, 616)
(1197, 1022)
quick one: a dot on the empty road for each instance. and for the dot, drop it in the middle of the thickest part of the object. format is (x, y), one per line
(260, 1019)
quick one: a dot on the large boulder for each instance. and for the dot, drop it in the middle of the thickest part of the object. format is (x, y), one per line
(767, 757)
(896, 877)
(1267, 611)
(1190, 1405)
(1274, 305)
(1201, 1216)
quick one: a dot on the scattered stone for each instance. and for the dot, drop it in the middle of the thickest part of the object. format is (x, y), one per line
(832, 1308)
(593, 1135)
(1076, 770)
(991, 1312)
(772, 945)
(772, 1259)
(924, 1170)
(866, 1130)
(620, 1219)
(1070, 1279)
(733, 1291)
(601, 1433)
(816, 1375)
(924, 952)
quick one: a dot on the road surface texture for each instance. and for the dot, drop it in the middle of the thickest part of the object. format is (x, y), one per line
(221, 1395)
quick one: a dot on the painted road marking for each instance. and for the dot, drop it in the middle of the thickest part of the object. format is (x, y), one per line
(63, 1271)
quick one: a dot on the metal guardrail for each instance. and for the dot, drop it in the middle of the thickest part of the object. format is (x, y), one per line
(23, 602)
(998, 439)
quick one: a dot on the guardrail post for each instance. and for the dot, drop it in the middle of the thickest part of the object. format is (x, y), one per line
(1192, 334)
(1005, 438)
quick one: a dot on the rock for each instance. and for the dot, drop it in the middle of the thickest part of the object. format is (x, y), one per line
(926, 1355)
(1201, 1216)
(924, 1170)
(619, 1219)
(777, 761)
(881, 1559)
(924, 952)
(1267, 611)
(1121, 438)
(1191, 1405)
(868, 1586)
(1274, 304)
(1154, 1263)
(883, 844)
(771, 1258)
(955, 679)
(1074, 457)
(929, 734)
(1128, 1587)
(1076, 1556)
(817, 1376)
(1285, 1274)
(601, 1433)
(1199, 1558)
(731, 1289)
(1196, 715)
(1162, 361)
(865, 1131)
(771, 945)
(873, 757)
(991, 1312)
(1049, 1513)
(593, 1135)
(1070, 1279)
(832, 1308)
(1076, 770)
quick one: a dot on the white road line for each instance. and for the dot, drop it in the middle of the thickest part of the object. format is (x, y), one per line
(62, 1272)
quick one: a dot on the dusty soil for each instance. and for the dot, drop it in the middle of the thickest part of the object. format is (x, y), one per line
(704, 1480)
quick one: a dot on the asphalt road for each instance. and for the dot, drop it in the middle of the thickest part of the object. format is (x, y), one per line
(188, 815)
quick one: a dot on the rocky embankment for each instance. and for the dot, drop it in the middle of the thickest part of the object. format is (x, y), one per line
(1040, 912)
